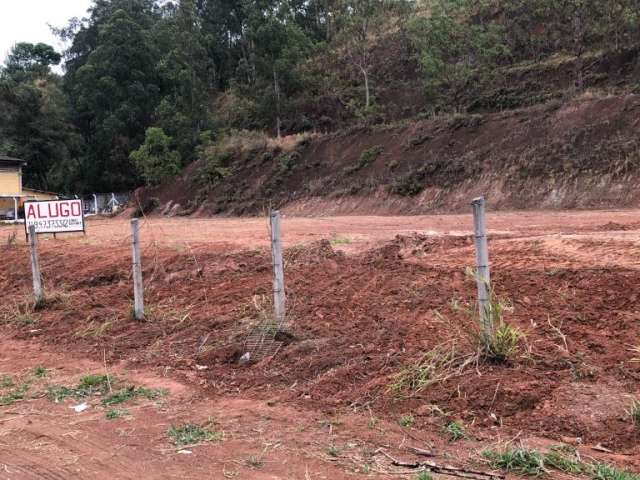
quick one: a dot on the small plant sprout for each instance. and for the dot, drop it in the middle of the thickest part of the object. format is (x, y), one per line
(634, 412)
(190, 434)
(40, 372)
(424, 476)
(455, 431)
(407, 421)
(116, 413)
(254, 461)
(333, 451)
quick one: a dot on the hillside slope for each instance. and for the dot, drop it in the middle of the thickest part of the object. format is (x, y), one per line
(579, 154)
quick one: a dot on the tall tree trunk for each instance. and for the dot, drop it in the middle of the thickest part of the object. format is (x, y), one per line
(367, 95)
(276, 89)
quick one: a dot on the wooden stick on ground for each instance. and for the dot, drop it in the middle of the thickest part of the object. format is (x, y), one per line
(445, 469)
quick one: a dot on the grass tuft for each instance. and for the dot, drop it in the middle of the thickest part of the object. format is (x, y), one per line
(521, 461)
(455, 431)
(407, 421)
(14, 395)
(131, 392)
(435, 366)
(254, 462)
(116, 413)
(190, 434)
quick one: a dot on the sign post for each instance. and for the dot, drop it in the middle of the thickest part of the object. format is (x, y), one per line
(138, 288)
(278, 269)
(482, 266)
(35, 266)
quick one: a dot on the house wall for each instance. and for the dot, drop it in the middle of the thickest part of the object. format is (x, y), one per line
(10, 181)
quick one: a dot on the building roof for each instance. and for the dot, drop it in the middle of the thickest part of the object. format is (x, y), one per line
(10, 161)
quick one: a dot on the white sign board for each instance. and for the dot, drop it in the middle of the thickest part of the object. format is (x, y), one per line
(54, 216)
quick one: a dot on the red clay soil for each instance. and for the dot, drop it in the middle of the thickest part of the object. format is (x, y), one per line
(357, 320)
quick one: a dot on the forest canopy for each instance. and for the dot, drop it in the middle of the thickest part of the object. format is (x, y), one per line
(148, 84)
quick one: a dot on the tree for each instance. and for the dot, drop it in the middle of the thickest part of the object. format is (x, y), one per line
(27, 57)
(114, 94)
(155, 161)
(35, 124)
(184, 75)
(452, 49)
(279, 48)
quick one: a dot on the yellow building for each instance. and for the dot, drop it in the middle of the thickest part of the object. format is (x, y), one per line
(12, 193)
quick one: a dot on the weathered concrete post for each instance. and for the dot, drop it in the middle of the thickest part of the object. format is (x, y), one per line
(278, 269)
(138, 288)
(38, 292)
(482, 266)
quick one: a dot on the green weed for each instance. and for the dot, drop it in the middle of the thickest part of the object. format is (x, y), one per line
(520, 461)
(407, 421)
(116, 413)
(336, 240)
(131, 392)
(15, 395)
(504, 343)
(601, 471)
(190, 434)
(40, 372)
(6, 381)
(333, 451)
(424, 476)
(455, 431)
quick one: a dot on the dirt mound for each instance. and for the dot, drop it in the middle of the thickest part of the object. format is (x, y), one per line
(578, 154)
(359, 321)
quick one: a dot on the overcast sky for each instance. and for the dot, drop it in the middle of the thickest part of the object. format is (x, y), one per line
(26, 21)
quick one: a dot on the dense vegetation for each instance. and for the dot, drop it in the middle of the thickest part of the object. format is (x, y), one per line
(149, 86)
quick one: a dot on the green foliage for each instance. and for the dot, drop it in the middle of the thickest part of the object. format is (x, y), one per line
(116, 413)
(453, 48)
(27, 57)
(503, 344)
(129, 393)
(154, 159)
(40, 372)
(520, 461)
(407, 420)
(6, 381)
(524, 461)
(455, 431)
(14, 395)
(190, 67)
(190, 434)
(369, 156)
(87, 386)
(424, 476)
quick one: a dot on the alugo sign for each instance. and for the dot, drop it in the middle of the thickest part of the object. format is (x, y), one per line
(54, 216)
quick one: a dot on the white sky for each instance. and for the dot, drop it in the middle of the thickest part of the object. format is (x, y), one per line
(26, 21)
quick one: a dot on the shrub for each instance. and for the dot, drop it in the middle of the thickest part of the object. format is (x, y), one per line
(154, 159)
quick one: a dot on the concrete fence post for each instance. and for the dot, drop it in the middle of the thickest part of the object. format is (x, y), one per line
(483, 278)
(138, 288)
(38, 292)
(278, 269)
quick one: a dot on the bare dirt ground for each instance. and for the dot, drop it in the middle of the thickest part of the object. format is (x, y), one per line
(367, 296)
